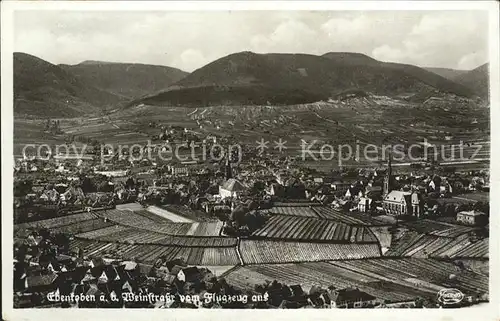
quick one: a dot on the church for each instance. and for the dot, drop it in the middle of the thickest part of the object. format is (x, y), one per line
(231, 188)
(400, 203)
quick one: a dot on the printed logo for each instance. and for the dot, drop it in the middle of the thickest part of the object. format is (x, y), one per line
(450, 296)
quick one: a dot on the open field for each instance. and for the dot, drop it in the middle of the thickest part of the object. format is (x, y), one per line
(414, 244)
(311, 229)
(217, 256)
(351, 218)
(145, 222)
(394, 280)
(474, 197)
(124, 226)
(303, 211)
(57, 221)
(267, 251)
(439, 228)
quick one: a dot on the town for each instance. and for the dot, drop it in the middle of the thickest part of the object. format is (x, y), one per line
(173, 230)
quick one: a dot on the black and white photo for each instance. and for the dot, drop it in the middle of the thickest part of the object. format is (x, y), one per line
(250, 159)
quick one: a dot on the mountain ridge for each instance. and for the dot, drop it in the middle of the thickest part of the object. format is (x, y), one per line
(477, 79)
(45, 89)
(126, 79)
(307, 78)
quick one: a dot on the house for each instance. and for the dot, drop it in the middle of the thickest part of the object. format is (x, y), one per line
(297, 291)
(340, 187)
(294, 188)
(169, 280)
(95, 262)
(231, 188)
(51, 266)
(127, 287)
(352, 298)
(276, 190)
(189, 274)
(398, 203)
(108, 274)
(176, 269)
(318, 180)
(64, 259)
(373, 192)
(365, 204)
(473, 217)
(319, 298)
(129, 266)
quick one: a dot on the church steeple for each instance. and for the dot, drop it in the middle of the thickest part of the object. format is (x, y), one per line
(229, 171)
(388, 177)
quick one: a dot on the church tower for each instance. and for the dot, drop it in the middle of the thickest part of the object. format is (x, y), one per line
(229, 171)
(388, 178)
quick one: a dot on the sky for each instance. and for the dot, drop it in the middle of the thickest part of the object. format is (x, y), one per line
(189, 40)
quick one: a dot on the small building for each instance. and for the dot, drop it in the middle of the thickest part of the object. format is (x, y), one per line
(129, 265)
(472, 218)
(365, 204)
(352, 298)
(189, 274)
(340, 187)
(276, 190)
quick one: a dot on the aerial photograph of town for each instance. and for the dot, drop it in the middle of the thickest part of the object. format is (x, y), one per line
(251, 160)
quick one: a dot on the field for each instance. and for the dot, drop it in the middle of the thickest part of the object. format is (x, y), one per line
(394, 280)
(57, 221)
(474, 197)
(81, 227)
(179, 213)
(468, 250)
(264, 251)
(142, 221)
(32, 132)
(414, 244)
(347, 218)
(439, 228)
(303, 211)
(309, 229)
(220, 256)
(129, 234)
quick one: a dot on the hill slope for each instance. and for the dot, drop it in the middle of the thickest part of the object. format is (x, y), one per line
(47, 90)
(477, 79)
(249, 78)
(130, 80)
(447, 73)
(434, 82)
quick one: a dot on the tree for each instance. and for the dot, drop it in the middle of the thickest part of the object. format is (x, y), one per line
(238, 215)
(104, 186)
(130, 183)
(22, 187)
(258, 187)
(482, 207)
(88, 185)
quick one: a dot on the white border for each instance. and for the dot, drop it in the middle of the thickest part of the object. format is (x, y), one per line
(488, 312)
